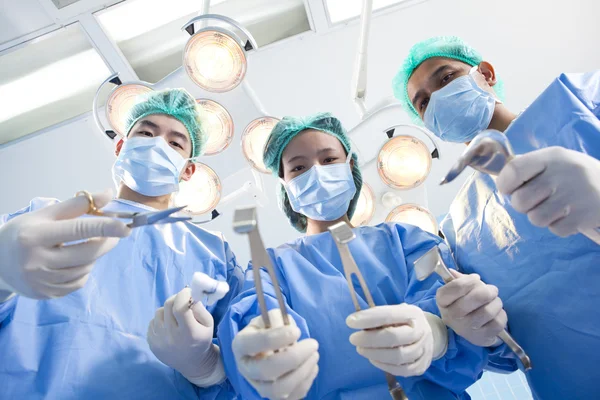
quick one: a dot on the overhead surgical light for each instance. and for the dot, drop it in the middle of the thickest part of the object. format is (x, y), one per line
(218, 124)
(415, 215)
(214, 57)
(120, 100)
(255, 138)
(404, 162)
(365, 207)
(201, 193)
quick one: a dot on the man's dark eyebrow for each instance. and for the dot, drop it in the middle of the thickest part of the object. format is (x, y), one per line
(433, 76)
(149, 124)
(180, 135)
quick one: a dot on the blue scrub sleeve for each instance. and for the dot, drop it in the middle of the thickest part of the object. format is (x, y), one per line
(586, 87)
(242, 310)
(500, 359)
(463, 363)
(235, 280)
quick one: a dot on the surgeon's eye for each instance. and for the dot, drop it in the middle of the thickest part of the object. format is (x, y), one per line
(423, 104)
(330, 160)
(298, 168)
(145, 133)
(446, 79)
(175, 144)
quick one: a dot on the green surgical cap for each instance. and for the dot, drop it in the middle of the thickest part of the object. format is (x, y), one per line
(439, 46)
(283, 133)
(176, 103)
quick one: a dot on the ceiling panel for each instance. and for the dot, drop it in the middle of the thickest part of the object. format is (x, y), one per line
(343, 10)
(152, 40)
(48, 81)
(19, 18)
(63, 3)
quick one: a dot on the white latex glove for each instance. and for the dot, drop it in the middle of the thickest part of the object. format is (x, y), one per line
(398, 339)
(181, 338)
(273, 361)
(32, 261)
(556, 187)
(206, 289)
(472, 309)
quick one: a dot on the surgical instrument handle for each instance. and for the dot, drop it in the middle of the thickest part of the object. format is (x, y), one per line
(260, 259)
(348, 260)
(442, 270)
(350, 268)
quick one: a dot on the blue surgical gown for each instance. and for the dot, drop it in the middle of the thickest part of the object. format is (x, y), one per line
(91, 344)
(550, 286)
(312, 281)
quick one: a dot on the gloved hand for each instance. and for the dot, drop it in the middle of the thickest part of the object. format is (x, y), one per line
(33, 261)
(472, 309)
(556, 187)
(273, 361)
(181, 337)
(398, 339)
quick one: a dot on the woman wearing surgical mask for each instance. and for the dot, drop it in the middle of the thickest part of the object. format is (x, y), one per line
(328, 350)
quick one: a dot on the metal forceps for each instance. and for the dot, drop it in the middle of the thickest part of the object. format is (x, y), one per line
(138, 218)
(489, 152)
(342, 235)
(245, 222)
(431, 262)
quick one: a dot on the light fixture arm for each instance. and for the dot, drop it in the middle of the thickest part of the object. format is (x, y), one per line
(254, 98)
(359, 80)
(189, 26)
(114, 79)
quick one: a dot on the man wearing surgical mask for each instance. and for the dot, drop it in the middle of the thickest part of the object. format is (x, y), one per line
(519, 232)
(91, 331)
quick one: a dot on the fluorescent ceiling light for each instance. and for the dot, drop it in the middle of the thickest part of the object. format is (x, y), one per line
(341, 10)
(136, 17)
(51, 83)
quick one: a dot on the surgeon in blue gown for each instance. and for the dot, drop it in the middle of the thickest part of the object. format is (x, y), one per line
(329, 345)
(91, 343)
(519, 231)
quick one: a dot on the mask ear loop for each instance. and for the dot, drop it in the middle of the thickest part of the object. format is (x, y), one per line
(349, 157)
(474, 69)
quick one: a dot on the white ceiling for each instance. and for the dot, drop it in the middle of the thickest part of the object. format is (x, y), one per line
(33, 35)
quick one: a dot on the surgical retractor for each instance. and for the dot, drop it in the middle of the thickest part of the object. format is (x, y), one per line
(432, 262)
(489, 152)
(245, 222)
(342, 235)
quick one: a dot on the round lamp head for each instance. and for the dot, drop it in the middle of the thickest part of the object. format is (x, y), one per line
(415, 215)
(214, 60)
(404, 162)
(218, 124)
(119, 103)
(201, 193)
(254, 138)
(365, 207)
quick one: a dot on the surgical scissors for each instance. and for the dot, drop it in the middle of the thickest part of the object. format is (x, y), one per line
(138, 218)
(342, 235)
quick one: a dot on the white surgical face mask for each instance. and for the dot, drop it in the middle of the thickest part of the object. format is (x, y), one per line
(149, 166)
(324, 192)
(460, 110)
